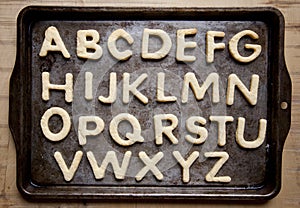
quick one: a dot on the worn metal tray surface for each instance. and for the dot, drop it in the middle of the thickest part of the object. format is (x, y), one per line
(106, 103)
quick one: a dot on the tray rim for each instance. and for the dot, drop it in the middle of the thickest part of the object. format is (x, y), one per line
(31, 191)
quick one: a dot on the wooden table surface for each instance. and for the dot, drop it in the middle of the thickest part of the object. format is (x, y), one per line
(290, 192)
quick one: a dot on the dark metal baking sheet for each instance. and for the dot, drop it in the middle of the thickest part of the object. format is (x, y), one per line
(255, 173)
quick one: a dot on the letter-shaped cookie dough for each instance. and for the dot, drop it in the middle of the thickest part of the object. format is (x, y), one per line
(83, 130)
(150, 165)
(68, 173)
(181, 44)
(161, 89)
(110, 158)
(233, 46)
(131, 137)
(111, 44)
(88, 79)
(127, 88)
(221, 120)
(163, 51)
(250, 95)
(195, 129)
(83, 44)
(112, 95)
(52, 35)
(211, 175)
(167, 130)
(211, 46)
(55, 137)
(46, 86)
(186, 164)
(190, 80)
(251, 144)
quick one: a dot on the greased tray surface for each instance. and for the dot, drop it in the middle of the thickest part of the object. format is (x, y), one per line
(255, 173)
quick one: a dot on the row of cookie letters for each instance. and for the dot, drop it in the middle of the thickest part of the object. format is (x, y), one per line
(131, 87)
(87, 40)
(150, 165)
(194, 125)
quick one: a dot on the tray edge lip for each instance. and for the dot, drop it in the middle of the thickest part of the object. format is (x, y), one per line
(27, 10)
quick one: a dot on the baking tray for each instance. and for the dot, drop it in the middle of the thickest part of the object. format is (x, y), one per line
(254, 173)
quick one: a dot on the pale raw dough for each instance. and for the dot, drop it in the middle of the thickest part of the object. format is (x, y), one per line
(133, 137)
(190, 80)
(83, 44)
(112, 95)
(233, 46)
(250, 95)
(211, 46)
(181, 45)
(88, 78)
(110, 158)
(221, 120)
(55, 137)
(46, 86)
(161, 89)
(150, 165)
(195, 129)
(167, 130)
(52, 34)
(211, 175)
(83, 131)
(127, 88)
(251, 144)
(68, 173)
(163, 51)
(186, 164)
(111, 44)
